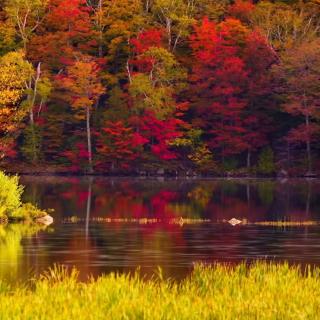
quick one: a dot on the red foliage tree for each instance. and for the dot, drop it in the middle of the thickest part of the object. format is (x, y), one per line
(77, 157)
(227, 82)
(218, 78)
(241, 9)
(147, 39)
(159, 134)
(66, 29)
(118, 146)
(141, 44)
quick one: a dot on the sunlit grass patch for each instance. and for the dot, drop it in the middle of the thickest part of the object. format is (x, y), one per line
(259, 291)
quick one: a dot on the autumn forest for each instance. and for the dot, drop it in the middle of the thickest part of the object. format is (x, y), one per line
(210, 87)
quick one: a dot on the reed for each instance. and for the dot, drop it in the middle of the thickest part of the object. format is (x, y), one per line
(259, 291)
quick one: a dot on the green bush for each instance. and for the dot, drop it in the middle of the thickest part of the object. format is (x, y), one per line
(10, 195)
(230, 164)
(266, 163)
(28, 211)
(11, 206)
(31, 147)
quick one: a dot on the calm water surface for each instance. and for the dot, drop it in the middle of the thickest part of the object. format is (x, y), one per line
(100, 247)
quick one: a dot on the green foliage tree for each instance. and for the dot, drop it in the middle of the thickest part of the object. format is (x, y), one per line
(155, 89)
(298, 73)
(215, 10)
(196, 150)
(26, 16)
(32, 141)
(177, 17)
(116, 23)
(286, 25)
(7, 32)
(266, 164)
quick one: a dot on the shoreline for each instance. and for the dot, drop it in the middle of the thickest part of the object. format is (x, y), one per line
(63, 172)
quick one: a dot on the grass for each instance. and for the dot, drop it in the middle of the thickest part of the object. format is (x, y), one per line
(260, 291)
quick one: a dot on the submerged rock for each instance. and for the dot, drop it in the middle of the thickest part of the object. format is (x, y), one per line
(161, 172)
(234, 221)
(46, 220)
(310, 175)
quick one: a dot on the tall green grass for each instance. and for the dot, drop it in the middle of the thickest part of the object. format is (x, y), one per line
(261, 291)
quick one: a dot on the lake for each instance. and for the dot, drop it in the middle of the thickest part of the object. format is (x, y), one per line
(105, 224)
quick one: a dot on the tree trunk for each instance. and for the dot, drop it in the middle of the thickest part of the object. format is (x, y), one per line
(147, 6)
(32, 101)
(129, 72)
(168, 27)
(248, 159)
(89, 141)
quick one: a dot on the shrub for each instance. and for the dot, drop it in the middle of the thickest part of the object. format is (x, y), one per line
(266, 163)
(230, 164)
(31, 147)
(11, 206)
(10, 195)
(28, 211)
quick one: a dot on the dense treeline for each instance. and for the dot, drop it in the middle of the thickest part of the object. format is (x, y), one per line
(208, 86)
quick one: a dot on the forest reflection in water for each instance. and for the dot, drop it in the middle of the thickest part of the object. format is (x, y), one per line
(96, 248)
(255, 200)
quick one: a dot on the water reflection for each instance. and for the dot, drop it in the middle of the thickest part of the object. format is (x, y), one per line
(215, 199)
(96, 248)
(11, 248)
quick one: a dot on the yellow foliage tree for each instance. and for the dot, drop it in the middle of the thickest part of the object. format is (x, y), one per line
(14, 72)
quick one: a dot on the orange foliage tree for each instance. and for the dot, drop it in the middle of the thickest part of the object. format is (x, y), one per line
(83, 83)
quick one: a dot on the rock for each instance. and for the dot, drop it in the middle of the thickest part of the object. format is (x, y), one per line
(160, 172)
(46, 220)
(283, 173)
(234, 221)
(310, 175)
